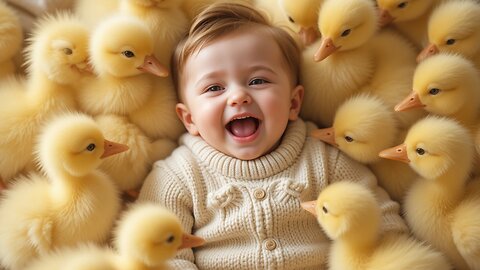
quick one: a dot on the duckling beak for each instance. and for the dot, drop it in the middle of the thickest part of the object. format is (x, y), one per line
(325, 134)
(190, 241)
(410, 102)
(398, 153)
(385, 18)
(326, 49)
(308, 35)
(430, 50)
(310, 207)
(153, 66)
(112, 148)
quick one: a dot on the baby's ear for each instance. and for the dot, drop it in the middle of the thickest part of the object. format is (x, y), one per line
(296, 102)
(186, 117)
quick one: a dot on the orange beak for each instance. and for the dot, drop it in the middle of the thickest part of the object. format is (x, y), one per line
(308, 35)
(112, 148)
(398, 153)
(326, 49)
(430, 50)
(310, 207)
(190, 241)
(153, 66)
(410, 102)
(385, 18)
(325, 134)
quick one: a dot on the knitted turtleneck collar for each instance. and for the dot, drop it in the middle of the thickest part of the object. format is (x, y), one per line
(276, 161)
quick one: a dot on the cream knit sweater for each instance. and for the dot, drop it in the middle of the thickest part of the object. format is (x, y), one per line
(249, 211)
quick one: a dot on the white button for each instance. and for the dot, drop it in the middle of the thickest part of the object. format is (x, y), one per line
(270, 244)
(259, 194)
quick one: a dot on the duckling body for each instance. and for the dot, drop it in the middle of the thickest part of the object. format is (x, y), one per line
(349, 214)
(438, 206)
(11, 38)
(127, 170)
(454, 27)
(93, 12)
(56, 58)
(74, 202)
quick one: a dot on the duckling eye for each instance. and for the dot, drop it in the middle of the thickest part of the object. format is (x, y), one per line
(324, 209)
(348, 139)
(402, 5)
(91, 147)
(171, 239)
(434, 91)
(346, 33)
(67, 51)
(451, 41)
(420, 151)
(291, 19)
(128, 54)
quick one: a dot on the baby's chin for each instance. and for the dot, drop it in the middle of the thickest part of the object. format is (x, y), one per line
(250, 153)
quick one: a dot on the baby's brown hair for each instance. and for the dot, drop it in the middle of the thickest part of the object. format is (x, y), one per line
(224, 18)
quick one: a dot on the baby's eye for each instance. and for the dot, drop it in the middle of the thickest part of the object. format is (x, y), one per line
(257, 81)
(214, 88)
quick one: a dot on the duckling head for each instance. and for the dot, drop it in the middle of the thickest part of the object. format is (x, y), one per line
(122, 46)
(58, 48)
(304, 14)
(434, 146)
(454, 27)
(73, 144)
(345, 25)
(443, 84)
(152, 234)
(348, 210)
(402, 10)
(363, 126)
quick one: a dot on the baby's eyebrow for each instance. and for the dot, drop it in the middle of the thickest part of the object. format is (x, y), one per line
(261, 67)
(208, 76)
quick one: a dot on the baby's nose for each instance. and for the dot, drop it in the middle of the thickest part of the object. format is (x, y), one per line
(239, 97)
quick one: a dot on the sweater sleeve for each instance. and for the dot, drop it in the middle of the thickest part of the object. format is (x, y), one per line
(165, 187)
(344, 168)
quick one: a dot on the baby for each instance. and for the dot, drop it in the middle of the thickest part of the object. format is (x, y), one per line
(247, 162)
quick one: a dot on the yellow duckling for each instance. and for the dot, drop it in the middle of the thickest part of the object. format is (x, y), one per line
(354, 58)
(303, 14)
(455, 27)
(73, 202)
(166, 20)
(363, 126)
(146, 237)
(56, 63)
(441, 206)
(346, 61)
(11, 38)
(446, 85)
(349, 214)
(121, 51)
(410, 17)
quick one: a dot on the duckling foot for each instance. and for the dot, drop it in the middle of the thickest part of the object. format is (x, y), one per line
(40, 234)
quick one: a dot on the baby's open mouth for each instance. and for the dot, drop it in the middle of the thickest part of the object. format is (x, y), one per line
(243, 126)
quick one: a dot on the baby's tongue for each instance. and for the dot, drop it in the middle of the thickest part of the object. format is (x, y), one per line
(243, 127)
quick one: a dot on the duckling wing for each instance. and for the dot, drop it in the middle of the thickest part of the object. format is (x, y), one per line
(466, 230)
(40, 234)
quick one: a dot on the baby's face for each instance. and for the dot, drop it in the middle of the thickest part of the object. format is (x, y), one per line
(238, 94)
